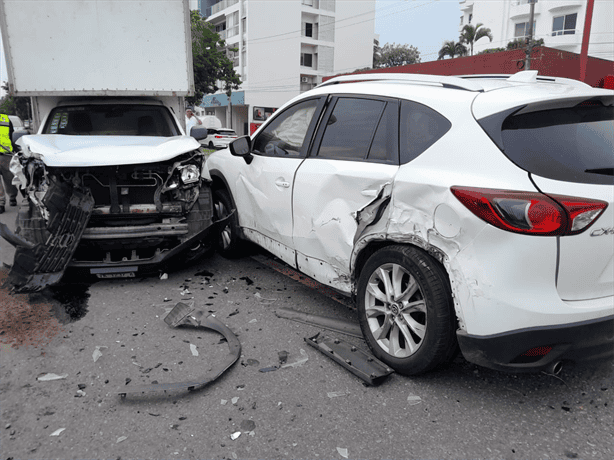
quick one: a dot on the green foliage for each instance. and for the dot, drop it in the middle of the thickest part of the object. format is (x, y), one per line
(471, 34)
(519, 43)
(12, 105)
(395, 55)
(452, 49)
(211, 64)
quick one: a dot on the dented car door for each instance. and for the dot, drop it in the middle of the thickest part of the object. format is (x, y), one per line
(351, 167)
(264, 189)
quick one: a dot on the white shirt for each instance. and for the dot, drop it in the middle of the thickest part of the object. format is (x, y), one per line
(190, 122)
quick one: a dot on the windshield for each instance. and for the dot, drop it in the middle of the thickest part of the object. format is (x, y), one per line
(112, 120)
(573, 144)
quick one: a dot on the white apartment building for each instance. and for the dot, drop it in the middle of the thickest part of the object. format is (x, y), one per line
(285, 47)
(559, 22)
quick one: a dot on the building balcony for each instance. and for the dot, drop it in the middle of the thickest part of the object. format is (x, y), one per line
(222, 6)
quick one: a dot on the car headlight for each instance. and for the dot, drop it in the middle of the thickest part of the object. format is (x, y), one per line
(189, 174)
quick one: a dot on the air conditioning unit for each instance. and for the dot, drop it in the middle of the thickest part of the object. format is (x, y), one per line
(305, 80)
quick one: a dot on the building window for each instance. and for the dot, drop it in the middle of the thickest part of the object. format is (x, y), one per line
(470, 18)
(307, 2)
(522, 29)
(308, 29)
(306, 59)
(564, 25)
(461, 21)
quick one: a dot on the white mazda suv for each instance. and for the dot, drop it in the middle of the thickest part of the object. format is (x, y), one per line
(467, 212)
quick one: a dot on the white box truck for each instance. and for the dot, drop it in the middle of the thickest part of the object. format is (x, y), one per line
(114, 187)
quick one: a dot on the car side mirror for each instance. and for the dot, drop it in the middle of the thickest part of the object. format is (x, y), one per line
(242, 147)
(16, 136)
(199, 132)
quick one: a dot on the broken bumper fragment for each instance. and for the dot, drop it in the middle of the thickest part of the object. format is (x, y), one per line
(185, 315)
(355, 360)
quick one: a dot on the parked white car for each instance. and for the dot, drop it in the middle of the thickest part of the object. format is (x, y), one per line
(219, 138)
(473, 212)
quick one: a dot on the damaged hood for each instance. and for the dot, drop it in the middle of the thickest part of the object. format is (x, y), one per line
(79, 151)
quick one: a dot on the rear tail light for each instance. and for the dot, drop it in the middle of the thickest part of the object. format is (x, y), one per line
(531, 213)
(218, 137)
(532, 355)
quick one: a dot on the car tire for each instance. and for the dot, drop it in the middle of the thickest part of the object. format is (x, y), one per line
(405, 310)
(211, 146)
(229, 243)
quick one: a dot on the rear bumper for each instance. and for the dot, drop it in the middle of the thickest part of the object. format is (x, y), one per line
(578, 342)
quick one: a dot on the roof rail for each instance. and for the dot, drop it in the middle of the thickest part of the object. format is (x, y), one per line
(528, 76)
(442, 80)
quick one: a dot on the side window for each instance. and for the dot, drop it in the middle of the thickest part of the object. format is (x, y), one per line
(350, 128)
(285, 135)
(420, 127)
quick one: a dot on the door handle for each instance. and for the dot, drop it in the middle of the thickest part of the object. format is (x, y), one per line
(282, 183)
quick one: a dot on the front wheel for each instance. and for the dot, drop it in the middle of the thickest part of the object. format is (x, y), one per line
(229, 243)
(405, 309)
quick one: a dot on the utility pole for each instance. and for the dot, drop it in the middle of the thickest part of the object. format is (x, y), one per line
(529, 48)
(585, 39)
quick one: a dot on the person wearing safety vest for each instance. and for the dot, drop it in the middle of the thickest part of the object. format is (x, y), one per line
(6, 153)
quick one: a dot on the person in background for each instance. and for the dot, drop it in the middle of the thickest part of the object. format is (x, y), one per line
(192, 120)
(6, 153)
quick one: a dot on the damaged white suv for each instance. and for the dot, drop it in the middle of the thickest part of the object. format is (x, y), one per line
(114, 188)
(473, 212)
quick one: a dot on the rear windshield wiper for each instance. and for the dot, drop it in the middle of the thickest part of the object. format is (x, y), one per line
(604, 171)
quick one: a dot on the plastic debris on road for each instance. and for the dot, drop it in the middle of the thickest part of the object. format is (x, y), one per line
(57, 432)
(235, 435)
(264, 300)
(120, 439)
(299, 362)
(343, 452)
(97, 353)
(412, 400)
(193, 349)
(223, 402)
(235, 400)
(49, 377)
(163, 276)
(336, 394)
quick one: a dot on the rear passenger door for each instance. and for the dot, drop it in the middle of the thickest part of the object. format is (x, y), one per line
(354, 157)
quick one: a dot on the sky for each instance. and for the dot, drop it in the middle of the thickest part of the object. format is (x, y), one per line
(425, 24)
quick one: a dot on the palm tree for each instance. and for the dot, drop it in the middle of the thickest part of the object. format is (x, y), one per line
(471, 34)
(452, 48)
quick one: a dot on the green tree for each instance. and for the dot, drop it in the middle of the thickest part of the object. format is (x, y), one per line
(471, 34)
(395, 55)
(210, 61)
(452, 49)
(12, 105)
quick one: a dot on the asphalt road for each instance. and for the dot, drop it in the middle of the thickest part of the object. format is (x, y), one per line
(313, 410)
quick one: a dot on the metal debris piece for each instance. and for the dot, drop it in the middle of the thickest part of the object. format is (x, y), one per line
(331, 324)
(186, 315)
(355, 360)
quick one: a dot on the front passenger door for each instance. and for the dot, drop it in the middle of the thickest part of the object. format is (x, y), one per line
(264, 191)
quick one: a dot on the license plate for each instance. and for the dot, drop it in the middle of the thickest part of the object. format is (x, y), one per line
(115, 275)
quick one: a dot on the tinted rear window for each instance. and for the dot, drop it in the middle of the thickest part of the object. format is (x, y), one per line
(571, 144)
